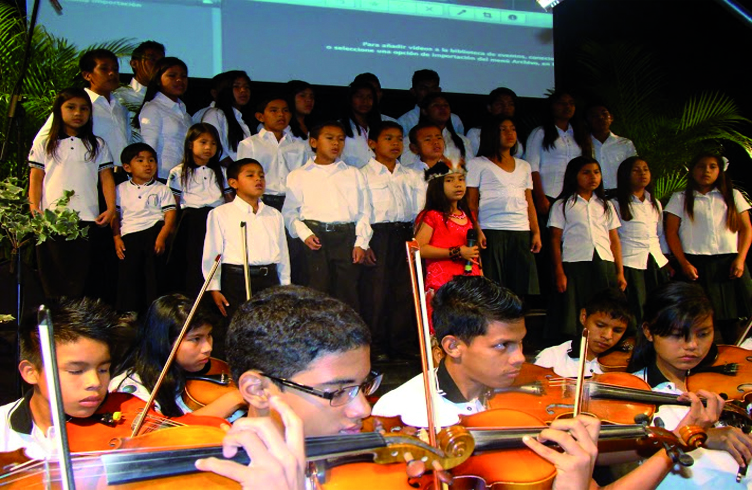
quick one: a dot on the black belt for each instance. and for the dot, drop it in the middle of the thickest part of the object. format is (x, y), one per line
(396, 226)
(254, 270)
(329, 227)
(273, 200)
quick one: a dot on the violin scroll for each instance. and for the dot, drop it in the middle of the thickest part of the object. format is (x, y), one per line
(455, 445)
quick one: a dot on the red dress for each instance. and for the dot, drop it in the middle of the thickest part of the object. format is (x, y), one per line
(446, 234)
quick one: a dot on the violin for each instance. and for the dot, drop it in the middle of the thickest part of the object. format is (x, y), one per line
(618, 358)
(730, 373)
(203, 388)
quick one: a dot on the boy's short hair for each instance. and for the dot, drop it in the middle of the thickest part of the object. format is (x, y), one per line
(425, 75)
(375, 132)
(413, 134)
(131, 151)
(499, 92)
(88, 60)
(367, 78)
(141, 49)
(72, 320)
(234, 169)
(612, 302)
(261, 106)
(465, 306)
(283, 329)
(316, 130)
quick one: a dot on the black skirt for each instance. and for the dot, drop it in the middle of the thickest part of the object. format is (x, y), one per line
(184, 262)
(507, 259)
(640, 283)
(730, 297)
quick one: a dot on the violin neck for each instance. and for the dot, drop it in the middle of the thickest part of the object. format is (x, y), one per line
(128, 467)
(612, 392)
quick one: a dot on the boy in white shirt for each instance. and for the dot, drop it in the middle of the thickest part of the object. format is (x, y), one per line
(425, 82)
(606, 317)
(609, 149)
(327, 207)
(146, 218)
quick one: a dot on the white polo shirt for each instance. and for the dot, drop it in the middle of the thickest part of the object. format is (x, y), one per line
(278, 158)
(164, 125)
(585, 228)
(18, 430)
(503, 205)
(451, 151)
(70, 169)
(394, 195)
(202, 189)
(410, 119)
(641, 236)
(216, 117)
(610, 154)
(707, 233)
(142, 206)
(557, 358)
(334, 193)
(551, 163)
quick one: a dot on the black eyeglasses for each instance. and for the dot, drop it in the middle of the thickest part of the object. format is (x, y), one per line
(340, 397)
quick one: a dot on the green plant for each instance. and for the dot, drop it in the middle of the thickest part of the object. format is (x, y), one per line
(53, 66)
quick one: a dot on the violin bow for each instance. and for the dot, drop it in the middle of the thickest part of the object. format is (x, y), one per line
(141, 418)
(745, 333)
(49, 358)
(430, 382)
(580, 387)
(246, 268)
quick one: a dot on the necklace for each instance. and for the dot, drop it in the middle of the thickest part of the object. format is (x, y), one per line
(461, 215)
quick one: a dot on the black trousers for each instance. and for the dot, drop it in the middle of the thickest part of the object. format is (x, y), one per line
(141, 272)
(386, 298)
(330, 268)
(187, 252)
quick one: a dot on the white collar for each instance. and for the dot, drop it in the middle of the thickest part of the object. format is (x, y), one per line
(247, 208)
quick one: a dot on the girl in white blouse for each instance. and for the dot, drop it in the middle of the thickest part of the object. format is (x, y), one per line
(163, 120)
(708, 230)
(362, 115)
(227, 117)
(641, 232)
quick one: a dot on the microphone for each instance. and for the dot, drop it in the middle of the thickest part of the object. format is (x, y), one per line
(472, 239)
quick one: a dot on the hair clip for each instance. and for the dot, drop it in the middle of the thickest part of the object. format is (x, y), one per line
(725, 163)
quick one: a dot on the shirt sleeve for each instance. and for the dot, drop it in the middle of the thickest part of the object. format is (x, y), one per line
(546, 358)
(118, 191)
(103, 158)
(283, 271)
(613, 217)
(661, 231)
(675, 205)
(556, 219)
(741, 203)
(457, 123)
(213, 245)
(533, 146)
(174, 181)
(226, 189)
(528, 174)
(291, 209)
(363, 231)
(38, 154)
(244, 149)
(473, 172)
(151, 126)
(44, 131)
(167, 202)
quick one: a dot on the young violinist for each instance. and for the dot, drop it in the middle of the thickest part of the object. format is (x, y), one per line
(84, 331)
(158, 331)
(606, 317)
(675, 338)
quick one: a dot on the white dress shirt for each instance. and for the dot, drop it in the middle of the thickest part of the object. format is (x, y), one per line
(473, 136)
(334, 193)
(451, 151)
(557, 358)
(109, 121)
(199, 114)
(551, 164)
(410, 119)
(131, 97)
(610, 154)
(164, 125)
(641, 236)
(278, 158)
(130, 383)
(503, 205)
(202, 189)
(18, 431)
(70, 169)
(267, 243)
(356, 152)
(216, 117)
(394, 196)
(142, 206)
(707, 233)
(585, 228)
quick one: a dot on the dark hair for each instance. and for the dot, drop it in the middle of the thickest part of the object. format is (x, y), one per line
(413, 133)
(722, 183)
(672, 306)
(316, 130)
(234, 169)
(131, 151)
(71, 320)
(294, 87)
(610, 301)
(436, 199)
(624, 188)
(551, 134)
(282, 330)
(465, 306)
(155, 84)
(88, 60)
(226, 102)
(425, 75)
(490, 138)
(367, 78)
(569, 187)
(375, 132)
(85, 132)
(157, 333)
(373, 118)
(267, 99)
(189, 163)
(141, 49)
(427, 100)
(499, 92)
